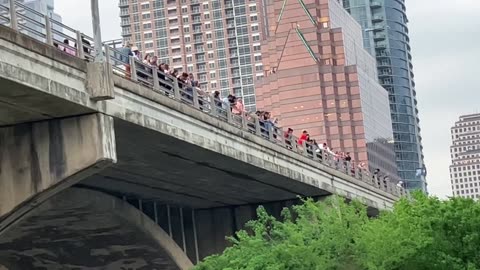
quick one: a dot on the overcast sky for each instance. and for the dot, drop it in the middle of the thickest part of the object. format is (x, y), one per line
(445, 39)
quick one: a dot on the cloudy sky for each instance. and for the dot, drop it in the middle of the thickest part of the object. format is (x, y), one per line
(445, 37)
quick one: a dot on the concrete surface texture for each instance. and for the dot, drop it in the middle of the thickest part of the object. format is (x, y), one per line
(41, 158)
(86, 230)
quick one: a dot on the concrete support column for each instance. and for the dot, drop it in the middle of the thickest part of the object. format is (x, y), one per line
(39, 159)
(99, 80)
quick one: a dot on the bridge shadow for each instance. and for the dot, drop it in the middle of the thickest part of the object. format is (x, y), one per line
(85, 229)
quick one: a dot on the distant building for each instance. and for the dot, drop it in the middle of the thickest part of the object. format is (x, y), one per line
(465, 154)
(218, 41)
(385, 36)
(45, 7)
(320, 78)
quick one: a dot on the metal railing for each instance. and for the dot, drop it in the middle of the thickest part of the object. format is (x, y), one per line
(127, 66)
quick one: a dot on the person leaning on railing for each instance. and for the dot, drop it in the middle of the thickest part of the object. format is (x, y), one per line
(289, 138)
(125, 53)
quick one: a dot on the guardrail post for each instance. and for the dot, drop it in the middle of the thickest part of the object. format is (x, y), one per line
(13, 15)
(270, 133)
(213, 105)
(48, 30)
(156, 82)
(176, 90)
(244, 121)
(333, 162)
(229, 114)
(196, 104)
(258, 129)
(133, 69)
(348, 168)
(315, 153)
(305, 149)
(107, 54)
(293, 143)
(377, 181)
(79, 45)
(282, 136)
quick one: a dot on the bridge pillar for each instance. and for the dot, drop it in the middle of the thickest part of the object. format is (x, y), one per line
(39, 159)
(99, 80)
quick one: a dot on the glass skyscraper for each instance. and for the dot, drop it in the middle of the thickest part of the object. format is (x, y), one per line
(385, 36)
(325, 82)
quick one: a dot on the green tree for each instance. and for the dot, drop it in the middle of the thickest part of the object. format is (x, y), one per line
(420, 233)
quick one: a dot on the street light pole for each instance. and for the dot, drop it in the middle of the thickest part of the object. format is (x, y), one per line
(97, 33)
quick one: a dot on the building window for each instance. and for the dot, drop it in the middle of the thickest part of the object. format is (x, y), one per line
(147, 26)
(212, 75)
(146, 16)
(254, 28)
(185, 19)
(145, 6)
(253, 8)
(205, 6)
(147, 35)
(253, 18)
(258, 58)
(186, 30)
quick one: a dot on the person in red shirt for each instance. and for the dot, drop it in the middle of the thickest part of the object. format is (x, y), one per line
(304, 137)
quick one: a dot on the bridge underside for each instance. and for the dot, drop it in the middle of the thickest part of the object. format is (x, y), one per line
(82, 229)
(159, 167)
(20, 104)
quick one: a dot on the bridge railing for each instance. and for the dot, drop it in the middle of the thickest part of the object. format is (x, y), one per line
(77, 44)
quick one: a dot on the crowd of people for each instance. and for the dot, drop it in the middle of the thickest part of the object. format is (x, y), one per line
(268, 124)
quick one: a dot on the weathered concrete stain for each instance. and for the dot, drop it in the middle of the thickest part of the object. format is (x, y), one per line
(49, 156)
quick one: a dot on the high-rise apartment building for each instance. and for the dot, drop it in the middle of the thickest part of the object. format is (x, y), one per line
(385, 36)
(320, 78)
(465, 154)
(217, 41)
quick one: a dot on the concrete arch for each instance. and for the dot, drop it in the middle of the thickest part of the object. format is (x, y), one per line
(85, 229)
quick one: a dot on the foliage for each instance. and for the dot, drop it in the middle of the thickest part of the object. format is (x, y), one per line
(420, 233)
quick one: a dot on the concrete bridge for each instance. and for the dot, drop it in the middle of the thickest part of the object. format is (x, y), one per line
(100, 172)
